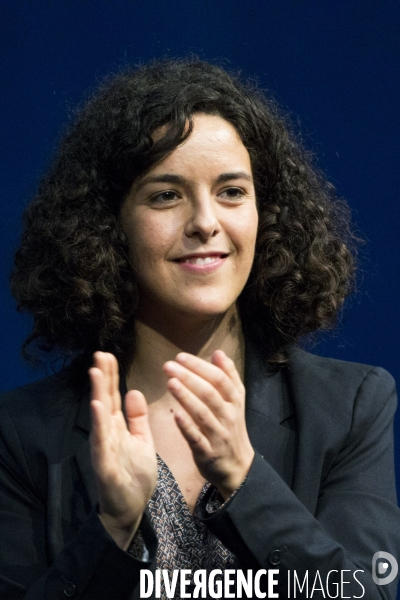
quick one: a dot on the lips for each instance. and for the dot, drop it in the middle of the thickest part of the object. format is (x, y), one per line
(202, 263)
(202, 259)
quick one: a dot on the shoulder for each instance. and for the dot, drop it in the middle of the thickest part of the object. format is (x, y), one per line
(334, 372)
(40, 399)
(340, 391)
(34, 418)
(338, 375)
(37, 422)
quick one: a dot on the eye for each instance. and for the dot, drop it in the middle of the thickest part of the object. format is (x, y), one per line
(232, 193)
(166, 197)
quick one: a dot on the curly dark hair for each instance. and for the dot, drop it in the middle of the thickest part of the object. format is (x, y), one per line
(72, 271)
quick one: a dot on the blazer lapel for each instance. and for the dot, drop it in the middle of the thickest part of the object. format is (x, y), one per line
(72, 484)
(82, 456)
(270, 414)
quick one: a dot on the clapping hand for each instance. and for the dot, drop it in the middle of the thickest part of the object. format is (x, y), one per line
(212, 417)
(123, 454)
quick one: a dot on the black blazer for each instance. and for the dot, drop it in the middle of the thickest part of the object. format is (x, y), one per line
(320, 495)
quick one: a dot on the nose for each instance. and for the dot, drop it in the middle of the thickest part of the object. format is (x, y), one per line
(203, 221)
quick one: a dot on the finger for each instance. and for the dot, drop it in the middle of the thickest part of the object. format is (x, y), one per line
(101, 445)
(198, 443)
(137, 416)
(101, 365)
(98, 433)
(207, 372)
(201, 414)
(221, 360)
(99, 361)
(226, 381)
(99, 388)
(106, 358)
(109, 366)
(114, 382)
(107, 363)
(198, 386)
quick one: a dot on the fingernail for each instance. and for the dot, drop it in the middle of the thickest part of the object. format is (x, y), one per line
(182, 356)
(174, 384)
(169, 365)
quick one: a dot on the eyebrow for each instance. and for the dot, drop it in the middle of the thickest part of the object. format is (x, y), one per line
(178, 179)
(235, 175)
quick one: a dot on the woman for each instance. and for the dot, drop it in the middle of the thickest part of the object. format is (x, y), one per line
(183, 232)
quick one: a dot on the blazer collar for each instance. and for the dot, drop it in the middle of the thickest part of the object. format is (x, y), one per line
(266, 387)
(269, 413)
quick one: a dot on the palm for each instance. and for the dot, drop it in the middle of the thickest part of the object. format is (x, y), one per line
(123, 452)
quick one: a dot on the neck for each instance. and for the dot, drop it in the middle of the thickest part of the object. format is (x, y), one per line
(159, 339)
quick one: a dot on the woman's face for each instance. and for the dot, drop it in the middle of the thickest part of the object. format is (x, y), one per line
(192, 222)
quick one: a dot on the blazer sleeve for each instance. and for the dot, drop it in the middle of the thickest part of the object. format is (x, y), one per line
(356, 515)
(90, 567)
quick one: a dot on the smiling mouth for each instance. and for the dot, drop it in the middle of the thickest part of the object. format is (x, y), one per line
(201, 260)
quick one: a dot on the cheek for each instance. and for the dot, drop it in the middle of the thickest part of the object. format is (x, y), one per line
(247, 227)
(249, 237)
(149, 240)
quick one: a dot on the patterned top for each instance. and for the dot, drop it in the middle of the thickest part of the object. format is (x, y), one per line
(184, 542)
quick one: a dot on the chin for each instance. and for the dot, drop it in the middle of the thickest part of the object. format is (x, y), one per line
(204, 310)
(194, 306)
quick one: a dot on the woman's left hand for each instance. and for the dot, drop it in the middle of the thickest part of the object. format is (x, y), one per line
(212, 421)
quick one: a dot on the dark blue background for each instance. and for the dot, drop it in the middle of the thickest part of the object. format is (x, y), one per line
(333, 64)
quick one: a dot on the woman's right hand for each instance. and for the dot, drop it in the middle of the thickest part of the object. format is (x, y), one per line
(123, 455)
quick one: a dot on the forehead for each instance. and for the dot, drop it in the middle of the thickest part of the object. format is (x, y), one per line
(213, 144)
